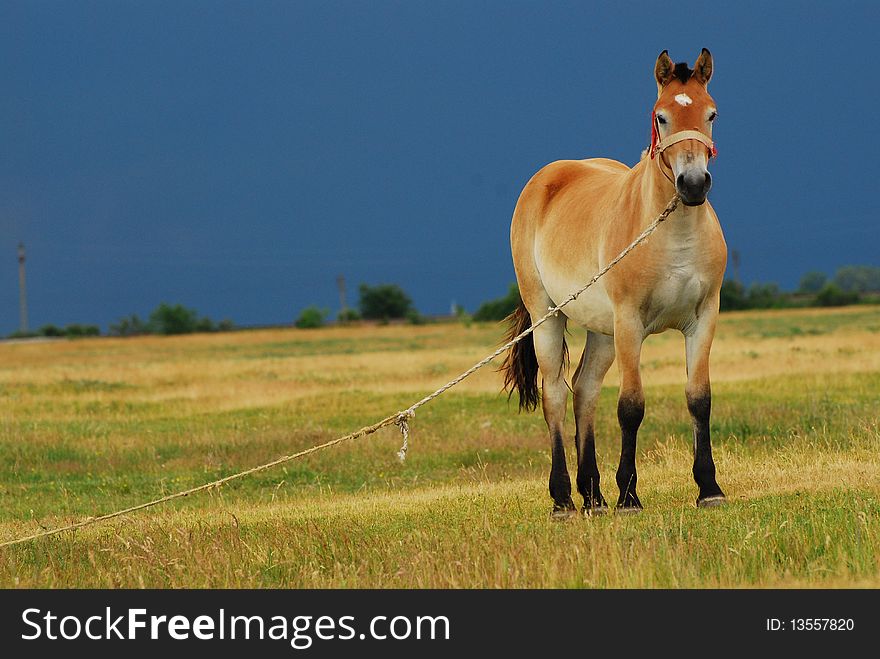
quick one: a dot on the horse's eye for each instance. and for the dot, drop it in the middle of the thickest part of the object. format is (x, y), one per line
(661, 119)
(712, 116)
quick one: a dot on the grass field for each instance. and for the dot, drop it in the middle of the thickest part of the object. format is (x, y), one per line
(89, 426)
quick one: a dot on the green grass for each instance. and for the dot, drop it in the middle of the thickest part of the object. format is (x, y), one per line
(91, 426)
(769, 324)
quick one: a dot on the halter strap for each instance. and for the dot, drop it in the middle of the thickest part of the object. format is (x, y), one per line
(659, 146)
(681, 136)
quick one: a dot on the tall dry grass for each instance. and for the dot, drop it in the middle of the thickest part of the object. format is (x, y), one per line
(88, 426)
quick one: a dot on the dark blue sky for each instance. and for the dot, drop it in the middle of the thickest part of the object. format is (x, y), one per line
(237, 156)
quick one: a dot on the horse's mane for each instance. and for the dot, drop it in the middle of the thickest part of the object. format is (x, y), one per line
(683, 72)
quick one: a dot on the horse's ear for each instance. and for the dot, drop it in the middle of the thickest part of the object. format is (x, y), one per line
(703, 67)
(663, 70)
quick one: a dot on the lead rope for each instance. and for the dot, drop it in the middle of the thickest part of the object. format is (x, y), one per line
(401, 419)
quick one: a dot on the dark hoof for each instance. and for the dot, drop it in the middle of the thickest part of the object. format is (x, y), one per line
(594, 505)
(628, 503)
(562, 514)
(627, 510)
(595, 511)
(712, 502)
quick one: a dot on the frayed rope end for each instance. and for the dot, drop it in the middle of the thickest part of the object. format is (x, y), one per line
(403, 423)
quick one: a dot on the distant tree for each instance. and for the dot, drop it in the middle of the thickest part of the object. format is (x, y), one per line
(311, 317)
(167, 319)
(499, 308)
(348, 316)
(129, 326)
(173, 319)
(415, 318)
(857, 278)
(832, 295)
(759, 296)
(205, 324)
(50, 330)
(75, 331)
(812, 282)
(462, 315)
(765, 296)
(733, 296)
(384, 302)
(18, 334)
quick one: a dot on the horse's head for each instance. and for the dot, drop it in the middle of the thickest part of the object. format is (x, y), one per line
(682, 125)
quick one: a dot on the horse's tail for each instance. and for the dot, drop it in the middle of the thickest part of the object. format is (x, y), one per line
(520, 366)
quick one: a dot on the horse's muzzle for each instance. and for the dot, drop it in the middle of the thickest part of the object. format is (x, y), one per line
(693, 186)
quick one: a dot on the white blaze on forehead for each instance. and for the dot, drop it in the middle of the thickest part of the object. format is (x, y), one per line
(683, 99)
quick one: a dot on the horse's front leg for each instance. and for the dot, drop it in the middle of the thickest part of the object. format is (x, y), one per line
(550, 352)
(629, 333)
(698, 343)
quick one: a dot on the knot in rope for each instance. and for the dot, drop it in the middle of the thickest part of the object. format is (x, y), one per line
(401, 419)
(402, 422)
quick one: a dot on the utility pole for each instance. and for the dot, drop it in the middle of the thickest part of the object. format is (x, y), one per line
(22, 291)
(340, 284)
(734, 256)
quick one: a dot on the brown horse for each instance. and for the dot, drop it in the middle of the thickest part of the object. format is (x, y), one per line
(571, 219)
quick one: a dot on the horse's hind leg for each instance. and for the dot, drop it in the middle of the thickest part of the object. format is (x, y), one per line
(595, 362)
(550, 351)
